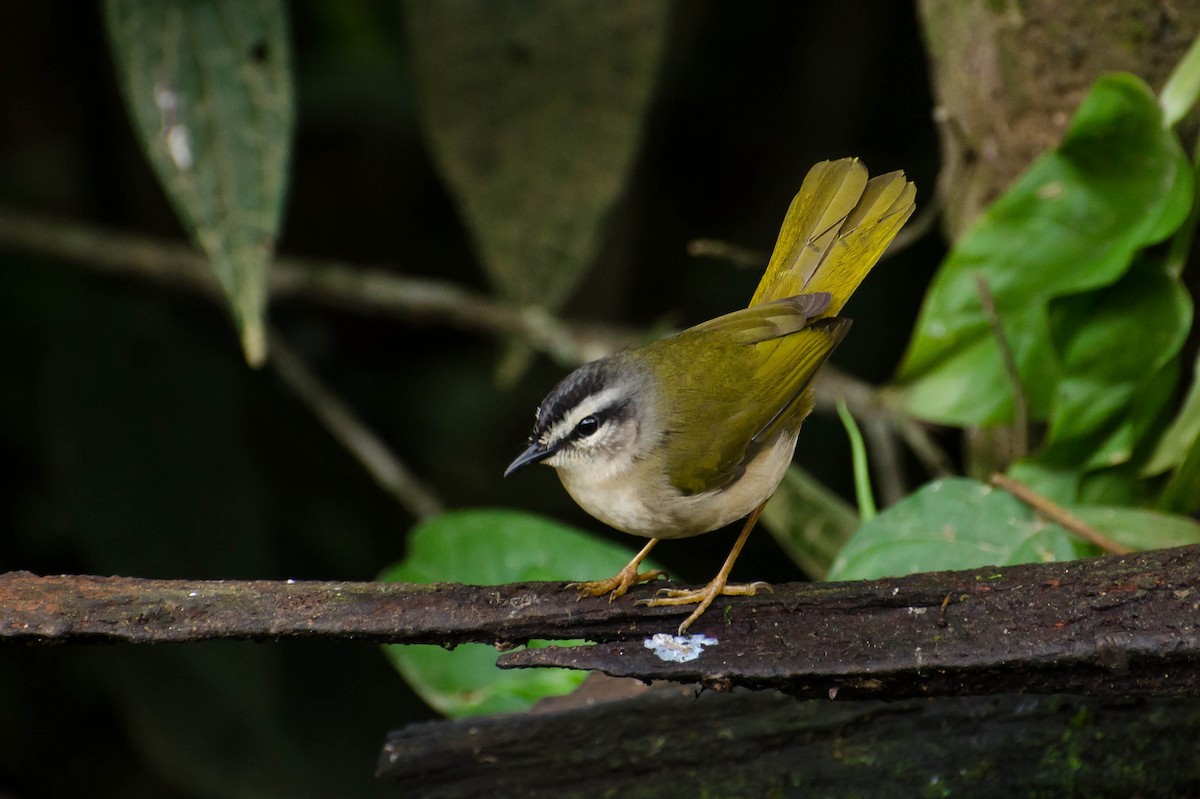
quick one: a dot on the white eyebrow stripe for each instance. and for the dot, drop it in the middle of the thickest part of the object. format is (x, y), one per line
(589, 405)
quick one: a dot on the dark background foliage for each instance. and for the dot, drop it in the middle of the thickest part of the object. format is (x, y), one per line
(137, 442)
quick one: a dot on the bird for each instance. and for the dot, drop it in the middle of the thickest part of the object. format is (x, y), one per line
(692, 432)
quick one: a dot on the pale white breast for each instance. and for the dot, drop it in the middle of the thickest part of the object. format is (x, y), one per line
(651, 508)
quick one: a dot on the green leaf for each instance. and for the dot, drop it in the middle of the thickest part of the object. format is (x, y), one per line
(1056, 481)
(1110, 343)
(808, 521)
(208, 86)
(490, 547)
(534, 110)
(1183, 434)
(862, 474)
(1140, 528)
(1182, 492)
(1072, 223)
(1116, 485)
(1104, 467)
(1133, 437)
(950, 524)
(1181, 90)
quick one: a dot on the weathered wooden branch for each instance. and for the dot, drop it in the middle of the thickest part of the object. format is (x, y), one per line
(1123, 625)
(1118, 625)
(673, 742)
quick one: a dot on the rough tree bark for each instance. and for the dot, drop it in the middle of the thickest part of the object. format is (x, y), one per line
(1123, 630)
(1106, 626)
(1008, 75)
(673, 742)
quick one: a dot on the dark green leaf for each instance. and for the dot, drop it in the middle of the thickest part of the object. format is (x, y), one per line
(950, 524)
(490, 547)
(1183, 435)
(1109, 343)
(208, 86)
(1072, 223)
(1182, 494)
(1132, 438)
(534, 110)
(1105, 467)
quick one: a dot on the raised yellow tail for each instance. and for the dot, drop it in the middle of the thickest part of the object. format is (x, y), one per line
(837, 226)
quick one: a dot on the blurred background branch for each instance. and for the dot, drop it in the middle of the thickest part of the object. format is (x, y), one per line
(377, 291)
(326, 281)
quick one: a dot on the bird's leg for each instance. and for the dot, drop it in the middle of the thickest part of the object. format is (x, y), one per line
(623, 580)
(703, 597)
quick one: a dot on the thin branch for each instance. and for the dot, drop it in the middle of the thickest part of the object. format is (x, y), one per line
(750, 258)
(870, 404)
(387, 470)
(1020, 444)
(739, 256)
(380, 291)
(1056, 513)
(890, 477)
(918, 226)
(335, 283)
(916, 435)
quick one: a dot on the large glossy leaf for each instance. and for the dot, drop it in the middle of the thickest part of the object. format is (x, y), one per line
(1104, 468)
(490, 547)
(1110, 343)
(1118, 359)
(208, 86)
(950, 524)
(1131, 439)
(1072, 223)
(533, 110)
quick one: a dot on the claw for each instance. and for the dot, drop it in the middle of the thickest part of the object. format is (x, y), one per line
(617, 585)
(701, 597)
(622, 581)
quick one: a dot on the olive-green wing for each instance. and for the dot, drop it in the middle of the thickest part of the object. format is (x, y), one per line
(747, 381)
(835, 229)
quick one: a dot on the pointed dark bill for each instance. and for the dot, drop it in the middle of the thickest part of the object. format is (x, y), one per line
(532, 454)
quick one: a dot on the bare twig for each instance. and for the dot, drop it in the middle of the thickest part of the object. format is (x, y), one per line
(1020, 443)
(380, 291)
(1056, 513)
(917, 227)
(336, 283)
(880, 418)
(885, 456)
(749, 258)
(388, 472)
(928, 451)
(741, 257)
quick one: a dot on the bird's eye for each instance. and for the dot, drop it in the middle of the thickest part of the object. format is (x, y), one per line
(587, 425)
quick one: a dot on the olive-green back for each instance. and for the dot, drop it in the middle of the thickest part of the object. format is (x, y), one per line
(747, 378)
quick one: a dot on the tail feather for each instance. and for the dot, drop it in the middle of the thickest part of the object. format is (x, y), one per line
(837, 226)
